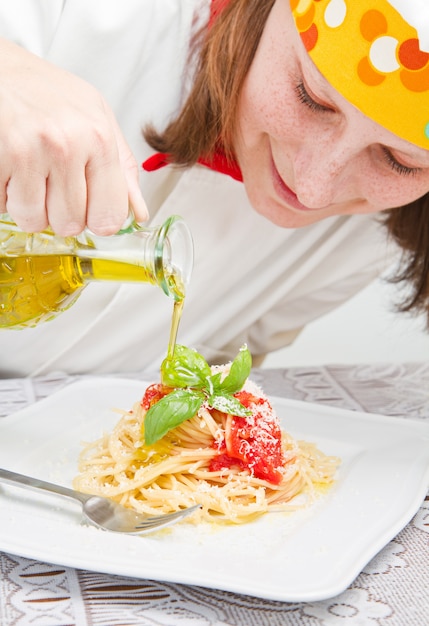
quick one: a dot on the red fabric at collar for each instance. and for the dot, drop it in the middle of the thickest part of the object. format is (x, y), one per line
(217, 7)
(219, 163)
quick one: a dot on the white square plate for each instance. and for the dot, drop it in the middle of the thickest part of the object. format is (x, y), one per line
(308, 555)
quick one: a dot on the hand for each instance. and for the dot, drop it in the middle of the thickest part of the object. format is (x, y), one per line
(63, 159)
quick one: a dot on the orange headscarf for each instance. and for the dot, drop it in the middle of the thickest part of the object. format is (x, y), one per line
(376, 54)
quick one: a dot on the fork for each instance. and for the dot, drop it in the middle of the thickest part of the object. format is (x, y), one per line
(103, 512)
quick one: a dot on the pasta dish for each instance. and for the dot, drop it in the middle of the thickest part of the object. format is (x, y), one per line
(235, 466)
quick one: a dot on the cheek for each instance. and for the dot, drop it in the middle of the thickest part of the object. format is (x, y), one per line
(267, 108)
(387, 192)
(268, 101)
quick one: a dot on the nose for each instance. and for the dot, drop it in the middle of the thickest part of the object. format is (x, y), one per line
(325, 173)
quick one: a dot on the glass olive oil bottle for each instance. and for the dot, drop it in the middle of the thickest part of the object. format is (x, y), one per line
(42, 274)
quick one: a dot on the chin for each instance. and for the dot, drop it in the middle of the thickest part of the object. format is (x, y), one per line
(283, 216)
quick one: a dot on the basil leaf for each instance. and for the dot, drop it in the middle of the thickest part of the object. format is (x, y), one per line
(228, 404)
(169, 412)
(186, 368)
(238, 373)
(213, 383)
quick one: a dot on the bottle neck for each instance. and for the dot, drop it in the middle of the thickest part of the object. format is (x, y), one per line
(160, 255)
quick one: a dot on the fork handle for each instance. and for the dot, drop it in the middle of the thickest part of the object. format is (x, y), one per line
(35, 483)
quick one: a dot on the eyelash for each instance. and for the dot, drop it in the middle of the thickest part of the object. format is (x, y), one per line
(399, 167)
(307, 100)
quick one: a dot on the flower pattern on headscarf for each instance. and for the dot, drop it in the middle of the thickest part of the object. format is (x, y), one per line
(372, 56)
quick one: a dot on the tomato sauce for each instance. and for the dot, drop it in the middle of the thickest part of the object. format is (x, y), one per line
(152, 395)
(252, 443)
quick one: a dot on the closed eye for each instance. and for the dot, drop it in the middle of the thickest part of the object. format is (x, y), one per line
(313, 105)
(398, 167)
(305, 98)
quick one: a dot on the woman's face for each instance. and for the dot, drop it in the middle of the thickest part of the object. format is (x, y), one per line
(305, 152)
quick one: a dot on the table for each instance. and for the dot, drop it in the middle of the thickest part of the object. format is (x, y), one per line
(392, 590)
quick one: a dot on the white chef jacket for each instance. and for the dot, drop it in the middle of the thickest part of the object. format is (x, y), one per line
(253, 282)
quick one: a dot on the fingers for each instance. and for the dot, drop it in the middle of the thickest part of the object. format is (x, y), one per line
(64, 161)
(107, 205)
(70, 188)
(131, 169)
(24, 199)
(22, 177)
(66, 201)
(135, 198)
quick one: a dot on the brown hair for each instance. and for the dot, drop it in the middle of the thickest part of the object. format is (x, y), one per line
(409, 227)
(207, 121)
(225, 50)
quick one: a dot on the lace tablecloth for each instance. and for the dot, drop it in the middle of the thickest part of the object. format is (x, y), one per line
(392, 590)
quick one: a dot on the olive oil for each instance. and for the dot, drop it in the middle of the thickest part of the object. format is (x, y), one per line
(42, 274)
(34, 289)
(175, 321)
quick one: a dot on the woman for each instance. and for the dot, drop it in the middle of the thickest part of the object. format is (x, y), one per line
(260, 110)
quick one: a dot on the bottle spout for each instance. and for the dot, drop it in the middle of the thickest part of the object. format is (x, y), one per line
(174, 257)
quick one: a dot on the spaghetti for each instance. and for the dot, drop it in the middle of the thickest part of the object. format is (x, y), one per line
(236, 467)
